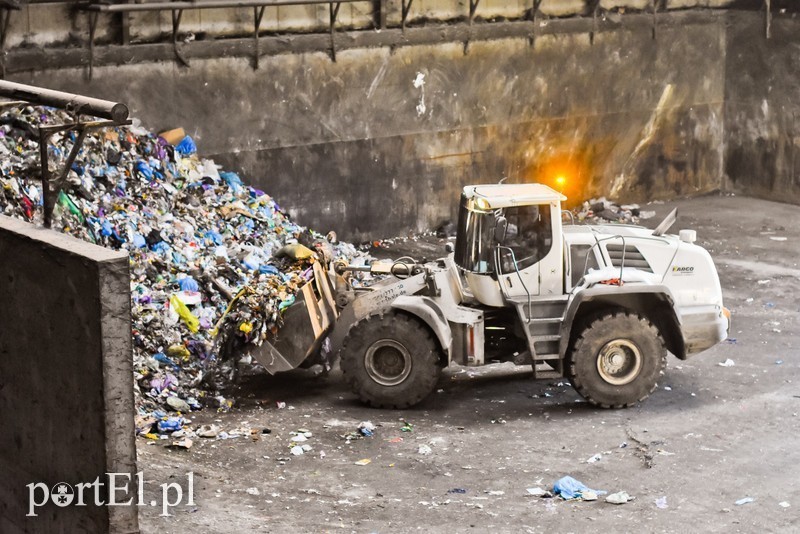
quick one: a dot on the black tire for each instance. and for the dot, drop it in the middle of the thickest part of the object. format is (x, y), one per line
(391, 360)
(617, 359)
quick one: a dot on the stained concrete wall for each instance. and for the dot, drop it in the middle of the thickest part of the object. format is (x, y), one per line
(66, 386)
(382, 140)
(762, 112)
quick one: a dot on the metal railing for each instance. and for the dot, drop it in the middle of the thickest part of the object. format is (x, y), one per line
(112, 113)
(531, 15)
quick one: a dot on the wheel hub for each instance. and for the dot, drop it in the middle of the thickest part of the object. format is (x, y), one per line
(619, 362)
(387, 362)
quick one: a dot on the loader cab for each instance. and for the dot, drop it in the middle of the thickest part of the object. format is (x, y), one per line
(509, 243)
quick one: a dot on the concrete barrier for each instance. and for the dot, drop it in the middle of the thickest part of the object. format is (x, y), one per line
(66, 382)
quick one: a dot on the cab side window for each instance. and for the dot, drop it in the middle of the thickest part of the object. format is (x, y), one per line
(529, 236)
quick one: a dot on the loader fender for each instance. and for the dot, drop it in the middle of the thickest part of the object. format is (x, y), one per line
(426, 310)
(652, 301)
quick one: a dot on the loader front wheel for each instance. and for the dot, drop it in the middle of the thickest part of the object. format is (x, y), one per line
(391, 360)
(617, 359)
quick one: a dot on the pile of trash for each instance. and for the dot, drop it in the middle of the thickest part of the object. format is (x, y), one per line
(213, 261)
(601, 210)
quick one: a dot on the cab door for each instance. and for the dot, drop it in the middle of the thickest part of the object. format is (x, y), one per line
(530, 257)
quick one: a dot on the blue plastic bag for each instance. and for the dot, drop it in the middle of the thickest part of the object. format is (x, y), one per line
(569, 488)
(268, 269)
(186, 146)
(172, 424)
(145, 169)
(233, 180)
(188, 284)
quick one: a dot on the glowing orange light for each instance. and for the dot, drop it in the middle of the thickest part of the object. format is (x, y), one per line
(561, 180)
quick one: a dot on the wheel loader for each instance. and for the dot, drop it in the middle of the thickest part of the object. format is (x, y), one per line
(600, 305)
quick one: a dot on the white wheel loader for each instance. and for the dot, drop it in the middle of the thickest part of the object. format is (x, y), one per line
(598, 304)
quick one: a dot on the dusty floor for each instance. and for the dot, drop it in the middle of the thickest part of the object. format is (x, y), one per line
(712, 434)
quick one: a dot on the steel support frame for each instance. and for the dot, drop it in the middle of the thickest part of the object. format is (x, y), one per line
(533, 17)
(405, 10)
(768, 18)
(5, 18)
(52, 188)
(594, 7)
(657, 5)
(333, 12)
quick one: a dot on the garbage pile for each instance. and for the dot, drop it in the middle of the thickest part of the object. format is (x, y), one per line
(213, 262)
(601, 210)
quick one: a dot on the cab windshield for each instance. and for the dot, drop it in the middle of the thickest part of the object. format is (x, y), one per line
(528, 238)
(475, 242)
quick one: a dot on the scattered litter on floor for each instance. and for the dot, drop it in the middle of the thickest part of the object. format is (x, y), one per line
(539, 492)
(745, 500)
(621, 497)
(603, 210)
(661, 503)
(727, 363)
(366, 428)
(424, 450)
(365, 461)
(568, 488)
(596, 458)
(784, 504)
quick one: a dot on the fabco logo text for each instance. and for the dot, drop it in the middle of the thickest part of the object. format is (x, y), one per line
(682, 270)
(63, 494)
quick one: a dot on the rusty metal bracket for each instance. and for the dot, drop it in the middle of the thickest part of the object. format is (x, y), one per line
(177, 14)
(382, 15)
(533, 13)
(473, 7)
(334, 12)
(768, 18)
(93, 16)
(52, 188)
(406, 9)
(258, 14)
(657, 5)
(5, 18)
(595, 8)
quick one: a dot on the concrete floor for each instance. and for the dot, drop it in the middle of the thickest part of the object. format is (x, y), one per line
(712, 435)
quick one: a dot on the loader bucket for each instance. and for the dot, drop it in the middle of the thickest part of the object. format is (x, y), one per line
(305, 325)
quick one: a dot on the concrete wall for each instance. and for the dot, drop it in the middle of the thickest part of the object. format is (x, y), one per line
(381, 140)
(66, 395)
(762, 112)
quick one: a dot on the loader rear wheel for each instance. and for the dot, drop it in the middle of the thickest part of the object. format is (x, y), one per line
(617, 359)
(391, 360)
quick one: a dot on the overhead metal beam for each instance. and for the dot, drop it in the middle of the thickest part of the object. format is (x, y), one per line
(75, 104)
(35, 58)
(204, 4)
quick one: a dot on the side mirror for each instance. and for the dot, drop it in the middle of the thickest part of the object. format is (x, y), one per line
(449, 248)
(500, 227)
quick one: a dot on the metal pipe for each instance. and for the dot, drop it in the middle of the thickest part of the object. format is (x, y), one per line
(114, 111)
(207, 4)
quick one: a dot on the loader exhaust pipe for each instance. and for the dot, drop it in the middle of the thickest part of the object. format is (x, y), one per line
(84, 105)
